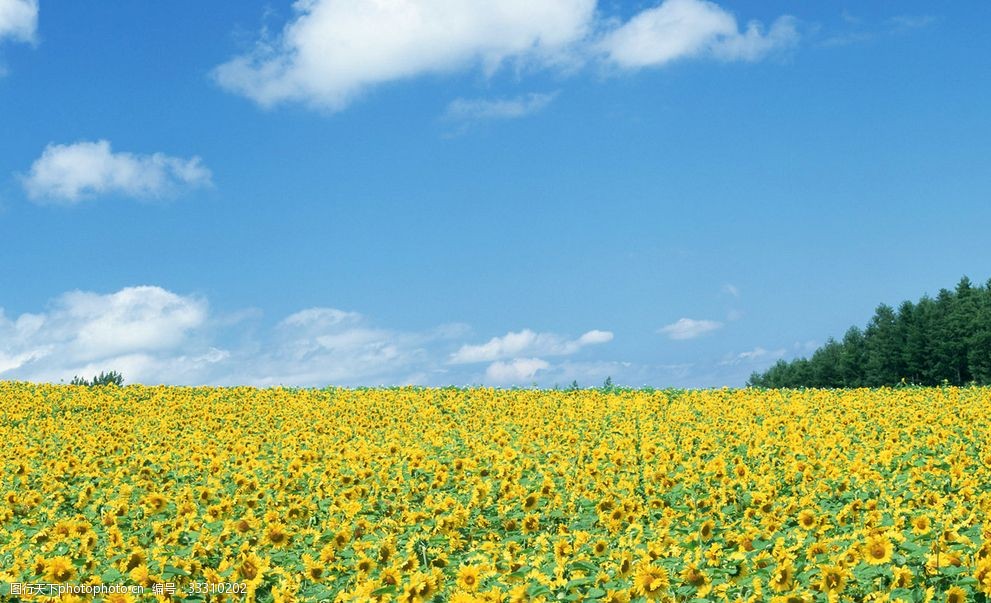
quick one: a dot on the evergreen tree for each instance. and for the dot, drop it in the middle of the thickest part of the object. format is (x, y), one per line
(884, 345)
(934, 341)
(979, 343)
(852, 358)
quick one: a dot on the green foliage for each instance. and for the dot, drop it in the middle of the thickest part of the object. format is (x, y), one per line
(946, 340)
(111, 378)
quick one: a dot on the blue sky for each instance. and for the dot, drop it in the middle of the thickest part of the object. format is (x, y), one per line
(671, 194)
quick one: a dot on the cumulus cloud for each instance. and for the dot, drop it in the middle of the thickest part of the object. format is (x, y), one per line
(153, 335)
(332, 51)
(327, 345)
(18, 20)
(526, 342)
(86, 332)
(689, 328)
(678, 29)
(70, 173)
(480, 109)
(514, 371)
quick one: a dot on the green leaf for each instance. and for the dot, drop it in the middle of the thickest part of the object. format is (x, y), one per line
(110, 576)
(172, 571)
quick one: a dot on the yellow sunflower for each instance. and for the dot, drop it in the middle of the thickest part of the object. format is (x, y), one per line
(955, 594)
(468, 577)
(878, 550)
(650, 581)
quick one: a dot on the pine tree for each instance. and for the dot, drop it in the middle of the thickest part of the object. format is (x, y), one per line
(941, 340)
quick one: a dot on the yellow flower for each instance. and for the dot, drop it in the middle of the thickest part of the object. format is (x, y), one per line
(877, 550)
(833, 579)
(468, 577)
(650, 581)
(314, 569)
(616, 596)
(705, 531)
(901, 577)
(955, 594)
(921, 525)
(783, 577)
(59, 570)
(277, 535)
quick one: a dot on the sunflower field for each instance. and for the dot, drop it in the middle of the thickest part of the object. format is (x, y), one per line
(460, 495)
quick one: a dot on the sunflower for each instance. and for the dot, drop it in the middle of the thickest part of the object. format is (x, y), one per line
(833, 579)
(705, 531)
(59, 569)
(955, 594)
(625, 565)
(385, 551)
(390, 576)
(141, 575)
(155, 502)
(783, 577)
(616, 596)
(315, 571)
(878, 550)
(815, 549)
(901, 577)
(600, 547)
(251, 568)
(650, 581)
(983, 575)
(134, 559)
(921, 525)
(468, 577)
(364, 565)
(420, 588)
(692, 575)
(807, 519)
(850, 557)
(530, 502)
(244, 524)
(276, 535)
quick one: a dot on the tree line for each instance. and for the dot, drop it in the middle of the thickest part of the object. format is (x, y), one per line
(935, 341)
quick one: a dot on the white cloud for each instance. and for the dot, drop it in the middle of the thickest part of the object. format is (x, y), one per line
(517, 370)
(731, 289)
(70, 173)
(678, 29)
(689, 328)
(332, 51)
(18, 20)
(526, 342)
(755, 355)
(595, 336)
(83, 332)
(479, 109)
(153, 335)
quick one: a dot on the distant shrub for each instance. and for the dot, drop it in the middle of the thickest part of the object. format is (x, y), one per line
(111, 378)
